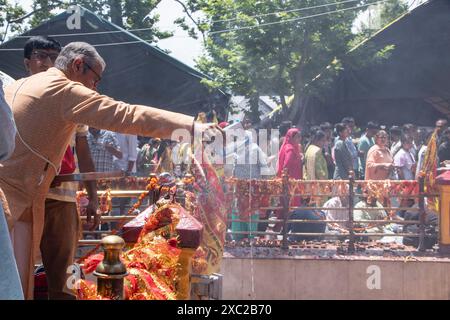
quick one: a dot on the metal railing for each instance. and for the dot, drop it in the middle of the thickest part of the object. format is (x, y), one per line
(284, 198)
(354, 228)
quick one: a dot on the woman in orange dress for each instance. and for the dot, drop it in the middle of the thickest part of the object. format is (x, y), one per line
(379, 163)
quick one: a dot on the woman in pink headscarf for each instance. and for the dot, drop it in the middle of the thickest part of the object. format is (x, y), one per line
(290, 155)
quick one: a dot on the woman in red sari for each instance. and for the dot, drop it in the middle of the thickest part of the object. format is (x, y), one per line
(290, 156)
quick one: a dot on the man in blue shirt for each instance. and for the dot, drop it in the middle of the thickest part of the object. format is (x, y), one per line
(365, 143)
(350, 124)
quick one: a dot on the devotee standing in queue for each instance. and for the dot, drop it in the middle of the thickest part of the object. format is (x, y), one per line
(47, 108)
(104, 147)
(182, 155)
(327, 148)
(365, 143)
(128, 146)
(127, 163)
(424, 136)
(444, 148)
(404, 160)
(342, 156)
(379, 164)
(290, 156)
(441, 125)
(395, 133)
(249, 162)
(147, 157)
(408, 130)
(315, 163)
(350, 123)
(164, 155)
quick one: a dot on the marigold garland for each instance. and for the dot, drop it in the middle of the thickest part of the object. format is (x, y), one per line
(152, 184)
(152, 263)
(251, 195)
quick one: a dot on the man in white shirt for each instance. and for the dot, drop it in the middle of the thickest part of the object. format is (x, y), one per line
(128, 144)
(404, 160)
(335, 212)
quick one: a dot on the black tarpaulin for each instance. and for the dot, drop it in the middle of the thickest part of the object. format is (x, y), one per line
(413, 85)
(136, 71)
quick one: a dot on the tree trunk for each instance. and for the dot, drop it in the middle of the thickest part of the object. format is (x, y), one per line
(254, 108)
(297, 111)
(299, 86)
(296, 105)
(115, 7)
(283, 102)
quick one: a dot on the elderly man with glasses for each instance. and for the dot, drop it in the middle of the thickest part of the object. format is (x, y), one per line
(61, 222)
(47, 108)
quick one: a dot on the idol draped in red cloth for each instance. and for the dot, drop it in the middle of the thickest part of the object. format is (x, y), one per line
(290, 155)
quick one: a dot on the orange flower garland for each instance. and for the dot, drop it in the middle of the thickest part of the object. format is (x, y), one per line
(254, 194)
(151, 186)
(152, 263)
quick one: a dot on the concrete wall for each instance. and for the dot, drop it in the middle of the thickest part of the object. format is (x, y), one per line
(333, 279)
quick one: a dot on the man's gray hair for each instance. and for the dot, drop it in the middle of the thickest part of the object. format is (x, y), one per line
(78, 50)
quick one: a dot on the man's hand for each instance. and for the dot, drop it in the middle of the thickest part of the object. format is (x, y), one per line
(115, 152)
(92, 211)
(55, 184)
(208, 130)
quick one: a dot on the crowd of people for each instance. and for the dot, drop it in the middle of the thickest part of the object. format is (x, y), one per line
(335, 152)
(377, 153)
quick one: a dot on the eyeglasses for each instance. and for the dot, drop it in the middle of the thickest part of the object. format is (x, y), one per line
(90, 68)
(42, 55)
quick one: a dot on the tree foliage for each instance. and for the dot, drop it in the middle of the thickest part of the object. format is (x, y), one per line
(9, 12)
(129, 14)
(252, 47)
(256, 47)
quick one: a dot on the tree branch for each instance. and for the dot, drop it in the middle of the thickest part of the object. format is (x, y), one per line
(283, 101)
(280, 72)
(6, 32)
(193, 20)
(50, 7)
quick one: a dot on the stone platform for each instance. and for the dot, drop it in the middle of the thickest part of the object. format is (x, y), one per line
(328, 272)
